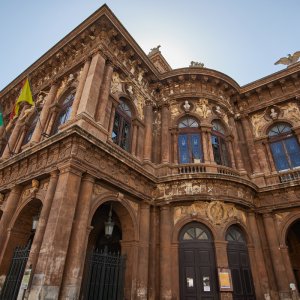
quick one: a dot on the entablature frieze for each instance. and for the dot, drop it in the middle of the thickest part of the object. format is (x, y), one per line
(204, 189)
(72, 148)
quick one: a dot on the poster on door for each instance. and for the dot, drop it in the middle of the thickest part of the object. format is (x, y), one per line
(225, 280)
(206, 284)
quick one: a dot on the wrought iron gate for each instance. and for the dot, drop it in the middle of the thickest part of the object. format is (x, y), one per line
(105, 276)
(14, 277)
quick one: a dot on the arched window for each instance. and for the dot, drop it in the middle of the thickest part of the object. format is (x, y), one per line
(284, 147)
(189, 141)
(30, 129)
(234, 234)
(65, 112)
(219, 145)
(121, 134)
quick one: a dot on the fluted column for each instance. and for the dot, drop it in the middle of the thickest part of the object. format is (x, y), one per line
(276, 257)
(236, 147)
(165, 136)
(148, 131)
(91, 89)
(142, 272)
(165, 257)
(75, 261)
(104, 93)
(51, 262)
(251, 148)
(10, 207)
(79, 89)
(262, 157)
(41, 124)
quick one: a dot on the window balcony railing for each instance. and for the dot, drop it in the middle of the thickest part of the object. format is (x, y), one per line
(191, 169)
(202, 168)
(290, 175)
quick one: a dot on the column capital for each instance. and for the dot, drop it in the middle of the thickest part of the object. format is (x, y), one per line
(88, 177)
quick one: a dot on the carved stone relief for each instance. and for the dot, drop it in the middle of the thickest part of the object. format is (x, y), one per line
(216, 212)
(202, 108)
(116, 83)
(291, 112)
(139, 103)
(258, 122)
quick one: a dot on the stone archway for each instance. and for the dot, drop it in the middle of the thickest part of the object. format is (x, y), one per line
(293, 243)
(121, 245)
(17, 247)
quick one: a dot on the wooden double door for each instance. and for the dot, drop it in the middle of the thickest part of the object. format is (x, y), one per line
(198, 273)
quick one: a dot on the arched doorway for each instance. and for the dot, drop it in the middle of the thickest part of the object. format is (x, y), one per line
(104, 273)
(238, 260)
(197, 267)
(17, 249)
(293, 243)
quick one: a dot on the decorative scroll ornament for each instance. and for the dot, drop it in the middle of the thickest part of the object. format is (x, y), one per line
(217, 212)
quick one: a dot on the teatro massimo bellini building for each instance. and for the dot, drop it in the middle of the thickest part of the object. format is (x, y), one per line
(131, 180)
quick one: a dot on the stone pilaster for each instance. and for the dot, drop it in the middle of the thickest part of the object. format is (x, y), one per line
(43, 218)
(222, 262)
(165, 250)
(104, 93)
(80, 87)
(10, 207)
(251, 148)
(75, 260)
(236, 147)
(51, 262)
(41, 124)
(142, 272)
(148, 131)
(91, 90)
(260, 262)
(165, 136)
(276, 257)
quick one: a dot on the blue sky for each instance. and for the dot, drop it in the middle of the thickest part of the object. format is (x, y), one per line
(241, 38)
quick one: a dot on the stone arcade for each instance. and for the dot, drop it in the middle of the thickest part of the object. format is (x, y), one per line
(198, 176)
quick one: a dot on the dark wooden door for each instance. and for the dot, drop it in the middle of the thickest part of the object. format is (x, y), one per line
(238, 260)
(198, 276)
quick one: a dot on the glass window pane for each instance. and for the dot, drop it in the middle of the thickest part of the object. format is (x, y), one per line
(183, 149)
(188, 122)
(216, 149)
(196, 148)
(293, 150)
(279, 129)
(279, 156)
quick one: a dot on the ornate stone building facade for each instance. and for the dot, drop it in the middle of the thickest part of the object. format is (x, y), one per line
(199, 176)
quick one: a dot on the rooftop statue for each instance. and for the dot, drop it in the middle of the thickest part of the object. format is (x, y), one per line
(289, 60)
(154, 50)
(196, 64)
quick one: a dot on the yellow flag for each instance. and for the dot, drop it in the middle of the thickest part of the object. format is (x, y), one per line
(25, 96)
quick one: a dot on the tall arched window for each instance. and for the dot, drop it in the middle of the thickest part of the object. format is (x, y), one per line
(219, 145)
(284, 147)
(121, 134)
(65, 112)
(189, 141)
(30, 129)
